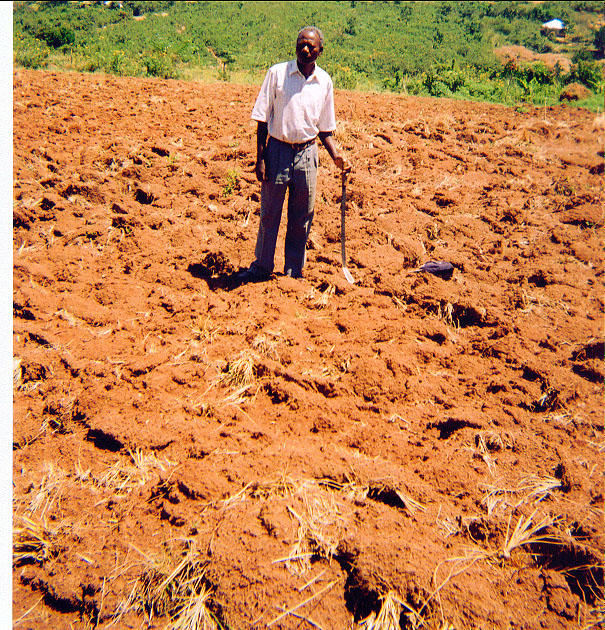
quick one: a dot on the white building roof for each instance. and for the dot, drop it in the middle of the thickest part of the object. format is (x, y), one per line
(557, 24)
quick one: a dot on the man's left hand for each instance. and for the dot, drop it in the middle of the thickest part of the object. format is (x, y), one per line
(343, 164)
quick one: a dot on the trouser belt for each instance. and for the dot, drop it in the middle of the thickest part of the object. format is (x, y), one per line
(299, 146)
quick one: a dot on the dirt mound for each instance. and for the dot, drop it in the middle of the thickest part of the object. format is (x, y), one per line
(304, 453)
(574, 92)
(520, 54)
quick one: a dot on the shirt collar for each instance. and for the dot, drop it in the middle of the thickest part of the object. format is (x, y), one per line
(293, 69)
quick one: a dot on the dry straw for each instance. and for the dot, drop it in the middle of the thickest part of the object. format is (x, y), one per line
(536, 487)
(181, 593)
(489, 441)
(293, 609)
(204, 329)
(411, 505)
(527, 532)
(320, 518)
(446, 314)
(240, 372)
(324, 299)
(528, 489)
(122, 477)
(33, 541)
(195, 614)
(319, 527)
(266, 346)
(48, 491)
(387, 617)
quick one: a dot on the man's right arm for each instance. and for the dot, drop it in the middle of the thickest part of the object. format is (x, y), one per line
(261, 143)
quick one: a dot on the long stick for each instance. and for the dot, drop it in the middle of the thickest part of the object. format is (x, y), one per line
(343, 210)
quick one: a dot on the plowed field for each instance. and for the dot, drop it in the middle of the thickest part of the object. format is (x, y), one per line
(304, 453)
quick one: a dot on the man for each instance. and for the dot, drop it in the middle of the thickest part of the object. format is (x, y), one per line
(294, 107)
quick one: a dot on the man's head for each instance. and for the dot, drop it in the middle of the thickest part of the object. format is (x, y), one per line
(309, 45)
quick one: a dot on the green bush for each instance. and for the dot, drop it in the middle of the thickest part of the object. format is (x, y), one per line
(588, 73)
(90, 64)
(454, 79)
(32, 55)
(344, 78)
(118, 63)
(433, 84)
(599, 42)
(158, 65)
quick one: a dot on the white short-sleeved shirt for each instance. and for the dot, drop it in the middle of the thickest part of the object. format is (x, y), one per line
(295, 108)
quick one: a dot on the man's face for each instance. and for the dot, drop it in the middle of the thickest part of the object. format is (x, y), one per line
(308, 47)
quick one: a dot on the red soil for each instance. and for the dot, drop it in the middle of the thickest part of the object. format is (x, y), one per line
(305, 439)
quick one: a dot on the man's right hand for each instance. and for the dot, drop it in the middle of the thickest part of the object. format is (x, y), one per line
(262, 131)
(259, 169)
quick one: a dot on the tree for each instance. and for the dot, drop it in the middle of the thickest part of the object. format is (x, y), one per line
(56, 36)
(599, 42)
(350, 28)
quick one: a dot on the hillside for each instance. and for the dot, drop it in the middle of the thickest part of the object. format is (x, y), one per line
(440, 49)
(304, 453)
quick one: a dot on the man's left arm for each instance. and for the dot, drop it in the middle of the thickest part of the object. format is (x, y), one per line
(328, 141)
(327, 120)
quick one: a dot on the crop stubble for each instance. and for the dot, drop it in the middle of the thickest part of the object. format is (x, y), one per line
(409, 450)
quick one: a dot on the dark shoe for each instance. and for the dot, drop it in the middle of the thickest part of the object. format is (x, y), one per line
(252, 275)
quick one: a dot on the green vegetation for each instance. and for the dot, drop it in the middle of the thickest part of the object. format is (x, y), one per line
(231, 183)
(442, 49)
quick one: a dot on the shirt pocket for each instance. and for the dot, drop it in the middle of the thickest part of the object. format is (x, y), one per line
(311, 100)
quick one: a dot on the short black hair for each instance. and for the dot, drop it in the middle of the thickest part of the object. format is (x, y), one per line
(312, 28)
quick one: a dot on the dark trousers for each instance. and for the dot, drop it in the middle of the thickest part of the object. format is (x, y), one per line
(295, 172)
